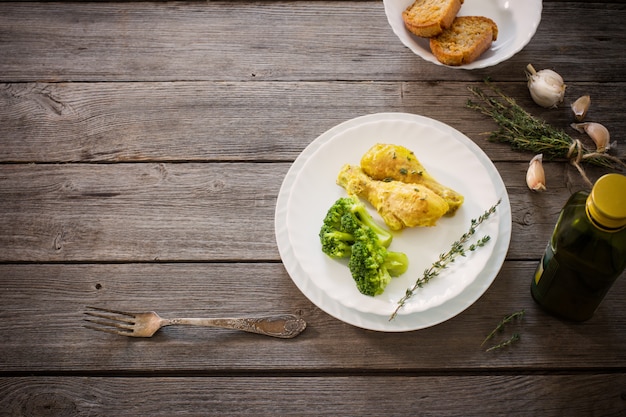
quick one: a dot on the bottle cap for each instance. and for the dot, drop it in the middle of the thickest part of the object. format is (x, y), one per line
(606, 204)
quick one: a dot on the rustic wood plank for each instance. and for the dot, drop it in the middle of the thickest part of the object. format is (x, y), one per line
(238, 41)
(138, 212)
(194, 212)
(601, 394)
(41, 325)
(225, 121)
(142, 148)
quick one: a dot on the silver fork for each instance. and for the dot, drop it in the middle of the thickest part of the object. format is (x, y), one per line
(146, 324)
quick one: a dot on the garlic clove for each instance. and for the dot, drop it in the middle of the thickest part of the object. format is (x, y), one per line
(546, 87)
(598, 133)
(535, 176)
(580, 107)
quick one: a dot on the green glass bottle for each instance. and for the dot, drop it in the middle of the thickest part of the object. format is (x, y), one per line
(587, 251)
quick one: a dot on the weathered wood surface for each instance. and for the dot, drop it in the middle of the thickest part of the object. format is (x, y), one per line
(42, 330)
(228, 121)
(142, 148)
(241, 41)
(474, 395)
(194, 211)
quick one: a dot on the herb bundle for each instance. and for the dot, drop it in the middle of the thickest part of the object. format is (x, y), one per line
(457, 248)
(525, 132)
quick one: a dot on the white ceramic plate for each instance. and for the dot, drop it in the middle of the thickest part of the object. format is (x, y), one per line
(443, 154)
(309, 189)
(517, 22)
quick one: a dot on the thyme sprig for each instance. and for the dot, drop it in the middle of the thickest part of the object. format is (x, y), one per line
(514, 338)
(524, 132)
(458, 248)
(500, 327)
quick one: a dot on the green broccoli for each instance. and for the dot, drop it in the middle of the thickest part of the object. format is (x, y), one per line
(372, 265)
(349, 231)
(343, 219)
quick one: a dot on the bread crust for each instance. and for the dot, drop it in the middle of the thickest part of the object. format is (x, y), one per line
(465, 40)
(428, 18)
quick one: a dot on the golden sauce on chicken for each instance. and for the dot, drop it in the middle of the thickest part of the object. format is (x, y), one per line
(394, 181)
(399, 204)
(385, 162)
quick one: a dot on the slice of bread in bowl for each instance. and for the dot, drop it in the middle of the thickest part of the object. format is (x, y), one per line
(428, 18)
(465, 40)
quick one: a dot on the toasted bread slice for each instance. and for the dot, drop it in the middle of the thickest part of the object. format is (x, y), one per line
(464, 41)
(428, 18)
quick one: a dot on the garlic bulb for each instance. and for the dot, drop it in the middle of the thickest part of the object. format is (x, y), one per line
(580, 107)
(547, 88)
(598, 133)
(535, 176)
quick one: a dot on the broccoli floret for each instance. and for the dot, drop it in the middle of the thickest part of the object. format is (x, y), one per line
(356, 216)
(349, 231)
(335, 243)
(343, 219)
(372, 265)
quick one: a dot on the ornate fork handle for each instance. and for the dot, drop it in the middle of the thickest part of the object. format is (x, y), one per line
(283, 326)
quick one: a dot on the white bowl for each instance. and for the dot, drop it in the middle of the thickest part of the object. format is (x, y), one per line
(517, 22)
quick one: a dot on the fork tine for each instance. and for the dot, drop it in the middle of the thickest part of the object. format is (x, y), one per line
(106, 330)
(114, 321)
(110, 317)
(119, 325)
(107, 310)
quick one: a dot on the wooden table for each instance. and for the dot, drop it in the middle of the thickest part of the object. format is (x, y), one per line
(142, 149)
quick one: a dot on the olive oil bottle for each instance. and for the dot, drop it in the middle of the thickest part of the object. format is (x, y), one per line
(587, 251)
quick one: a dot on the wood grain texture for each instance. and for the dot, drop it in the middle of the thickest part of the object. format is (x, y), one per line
(43, 305)
(142, 149)
(236, 41)
(601, 394)
(194, 211)
(227, 121)
(139, 212)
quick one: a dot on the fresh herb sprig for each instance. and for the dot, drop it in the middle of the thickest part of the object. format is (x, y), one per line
(524, 132)
(500, 327)
(514, 338)
(457, 248)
